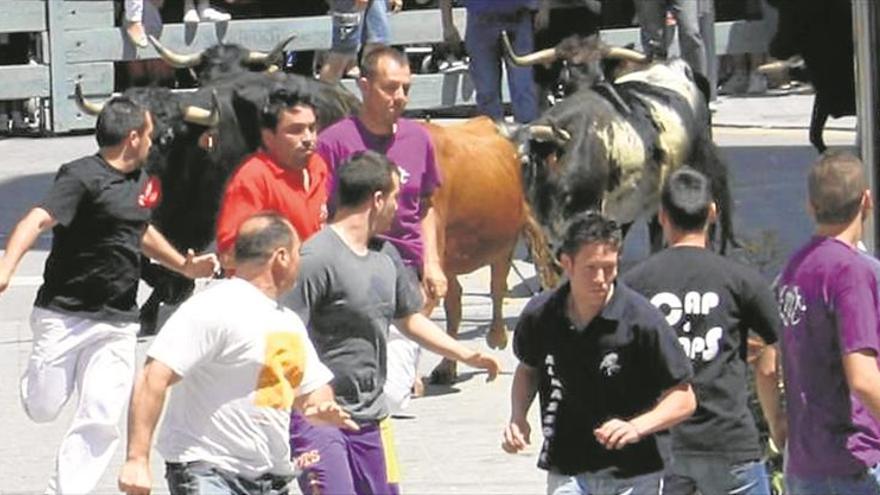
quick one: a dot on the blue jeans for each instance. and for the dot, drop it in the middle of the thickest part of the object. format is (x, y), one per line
(587, 484)
(201, 478)
(352, 28)
(715, 475)
(865, 483)
(483, 43)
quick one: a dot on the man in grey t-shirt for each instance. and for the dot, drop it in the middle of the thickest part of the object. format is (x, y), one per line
(348, 301)
(349, 291)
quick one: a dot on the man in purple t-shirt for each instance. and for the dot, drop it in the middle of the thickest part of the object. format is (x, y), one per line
(828, 304)
(384, 85)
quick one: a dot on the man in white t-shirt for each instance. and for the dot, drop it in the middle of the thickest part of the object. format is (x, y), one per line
(242, 362)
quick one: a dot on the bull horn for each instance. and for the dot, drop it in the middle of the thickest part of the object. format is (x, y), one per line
(176, 60)
(545, 56)
(256, 57)
(624, 54)
(548, 133)
(780, 66)
(200, 116)
(86, 106)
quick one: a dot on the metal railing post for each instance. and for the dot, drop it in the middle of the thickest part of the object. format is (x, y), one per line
(865, 38)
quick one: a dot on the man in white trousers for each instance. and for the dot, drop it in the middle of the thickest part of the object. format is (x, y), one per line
(85, 315)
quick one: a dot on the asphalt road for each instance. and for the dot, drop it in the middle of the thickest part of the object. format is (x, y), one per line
(450, 444)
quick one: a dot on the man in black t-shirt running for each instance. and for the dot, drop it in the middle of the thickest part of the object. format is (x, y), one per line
(712, 303)
(608, 370)
(85, 315)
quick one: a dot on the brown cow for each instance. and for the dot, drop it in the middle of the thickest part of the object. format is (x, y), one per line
(481, 211)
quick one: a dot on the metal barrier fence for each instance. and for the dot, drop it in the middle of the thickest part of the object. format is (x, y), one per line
(80, 43)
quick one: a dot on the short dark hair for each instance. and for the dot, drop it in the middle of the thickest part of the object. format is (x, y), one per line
(371, 61)
(260, 235)
(836, 183)
(117, 119)
(363, 174)
(589, 227)
(283, 98)
(686, 198)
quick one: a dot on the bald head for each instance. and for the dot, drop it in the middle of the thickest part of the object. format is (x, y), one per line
(261, 235)
(836, 186)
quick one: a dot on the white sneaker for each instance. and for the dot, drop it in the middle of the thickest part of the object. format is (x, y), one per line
(191, 16)
(210, 14)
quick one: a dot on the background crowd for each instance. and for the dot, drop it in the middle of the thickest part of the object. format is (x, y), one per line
(361, 25)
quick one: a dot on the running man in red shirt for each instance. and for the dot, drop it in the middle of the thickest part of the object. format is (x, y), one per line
(285, 175)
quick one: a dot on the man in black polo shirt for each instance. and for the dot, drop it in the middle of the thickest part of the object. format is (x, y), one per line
(85, 315)
(712, 303)
(608, 369)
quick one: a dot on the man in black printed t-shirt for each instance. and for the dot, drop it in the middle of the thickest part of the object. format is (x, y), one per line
(712, 303)
(85, 315)
(608, 369)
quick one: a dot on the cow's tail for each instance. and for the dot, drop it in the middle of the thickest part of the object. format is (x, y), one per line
(707, 159)
(818, 118)
(545, 263)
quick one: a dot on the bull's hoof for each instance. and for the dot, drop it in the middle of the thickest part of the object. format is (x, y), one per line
(444, 373)
(497, 337)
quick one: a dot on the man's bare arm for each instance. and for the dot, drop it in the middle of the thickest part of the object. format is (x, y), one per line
(147, 401)
(863, 378)
(22, 239)
(674, 406)
(767, 387)
(419, 328)
(522, 394)
(157, 247)
(435, 280)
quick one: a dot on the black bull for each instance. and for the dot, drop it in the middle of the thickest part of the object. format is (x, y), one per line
(196, 150)
(608, 147)
(822, 32)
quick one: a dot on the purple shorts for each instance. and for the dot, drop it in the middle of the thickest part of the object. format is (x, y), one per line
(349, 462)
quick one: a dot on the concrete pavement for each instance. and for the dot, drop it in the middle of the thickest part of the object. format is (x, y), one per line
(772, 112)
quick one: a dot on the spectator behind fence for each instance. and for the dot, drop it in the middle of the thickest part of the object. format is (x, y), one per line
(828, 303)
(85, 315)
(713, 303)
(238, 362)
(356, 24)
(203, 11)
(134, 26)
(609, 371)
(689, 15)
(737, 72)
(486, 19)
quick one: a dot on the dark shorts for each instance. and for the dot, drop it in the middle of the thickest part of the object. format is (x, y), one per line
(362, 462)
